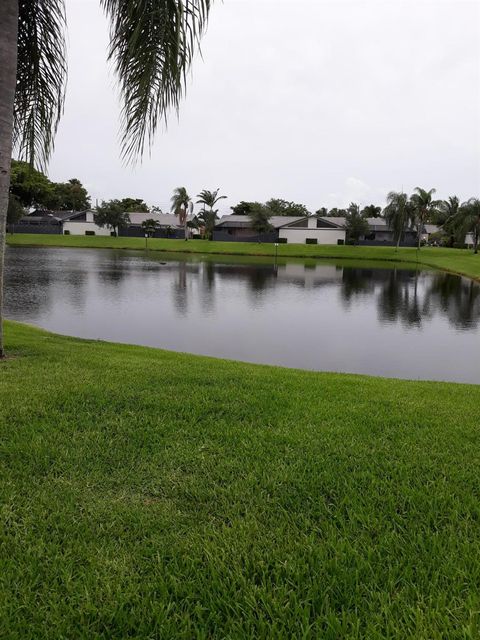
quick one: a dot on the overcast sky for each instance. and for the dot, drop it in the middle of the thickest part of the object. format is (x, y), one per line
(317, 101)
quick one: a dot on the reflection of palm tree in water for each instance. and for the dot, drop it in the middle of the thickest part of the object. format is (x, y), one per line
(180, 294)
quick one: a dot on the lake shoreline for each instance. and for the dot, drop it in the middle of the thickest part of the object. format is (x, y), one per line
(460, 262)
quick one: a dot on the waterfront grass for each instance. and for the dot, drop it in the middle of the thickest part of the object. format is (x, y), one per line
(460, 261)
(152, 494)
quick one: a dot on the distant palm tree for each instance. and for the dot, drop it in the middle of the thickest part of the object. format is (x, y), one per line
(468, 220)
(182, 205)
(152, 44)
(397, 213)
(425, 207)
(150, 226)
(209, 198)
(447, 209)
(207, 218)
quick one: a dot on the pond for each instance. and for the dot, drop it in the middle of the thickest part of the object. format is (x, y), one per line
(394, 321)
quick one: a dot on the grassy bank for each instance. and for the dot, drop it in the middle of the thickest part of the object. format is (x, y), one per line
(151, 494)
(455, 260)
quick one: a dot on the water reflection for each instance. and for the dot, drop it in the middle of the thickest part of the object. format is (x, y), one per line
(387, 321)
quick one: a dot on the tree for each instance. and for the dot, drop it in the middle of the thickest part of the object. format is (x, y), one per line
(424, 208)
(323, 212)
(69, 196)
(134, 205)
(372, 211)
(31, 187)
(260, 218)
(468, 220)
(337, 213)
(355, 223)
(152, 45)
(150, 226)
(15, 210)
(242, 208)
(397, 213)
(181, 205)
(279, 207)
(207, 218)
(110, 214)
(447, 209)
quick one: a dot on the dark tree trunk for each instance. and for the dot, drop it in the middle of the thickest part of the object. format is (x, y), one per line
(8, 76)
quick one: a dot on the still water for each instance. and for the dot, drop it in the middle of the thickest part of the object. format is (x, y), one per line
(380, 320)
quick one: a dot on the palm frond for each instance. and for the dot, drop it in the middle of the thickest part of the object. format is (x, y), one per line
(152, 44)
(41, 78)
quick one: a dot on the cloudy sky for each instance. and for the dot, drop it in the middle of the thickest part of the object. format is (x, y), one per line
(317, 101)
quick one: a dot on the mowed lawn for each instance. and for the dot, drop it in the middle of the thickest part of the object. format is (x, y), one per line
(151, 494)
(461, 261)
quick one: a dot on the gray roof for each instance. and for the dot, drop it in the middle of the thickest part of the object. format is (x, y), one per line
(244, 221)
(59, 215)
(163, 219)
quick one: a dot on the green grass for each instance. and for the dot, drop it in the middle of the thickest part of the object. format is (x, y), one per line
(455, 260)
(151, 494)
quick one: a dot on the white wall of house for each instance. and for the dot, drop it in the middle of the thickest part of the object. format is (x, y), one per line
(79, 228)
(323, 236)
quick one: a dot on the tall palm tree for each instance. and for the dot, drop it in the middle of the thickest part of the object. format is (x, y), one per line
(182, 205)
(425, 207)
(468, 220)
(397, 213)
(152, 44)
(208, 217)
(209, 198)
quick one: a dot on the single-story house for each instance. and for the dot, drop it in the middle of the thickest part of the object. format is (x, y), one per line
(287, 229)
(168, 225)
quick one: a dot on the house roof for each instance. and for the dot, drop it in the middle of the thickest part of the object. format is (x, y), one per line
(431, 228)
(59, 215)
(163, 219)
(244, 221)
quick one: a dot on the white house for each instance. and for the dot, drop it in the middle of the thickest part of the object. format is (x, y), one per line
(312, 230)
(83, 223)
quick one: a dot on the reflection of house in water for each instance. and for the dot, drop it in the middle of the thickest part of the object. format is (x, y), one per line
(309, 276)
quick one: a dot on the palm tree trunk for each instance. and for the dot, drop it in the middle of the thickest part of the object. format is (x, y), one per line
(8, 75)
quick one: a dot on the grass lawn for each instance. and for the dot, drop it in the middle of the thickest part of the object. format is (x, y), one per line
(151, 494)
(456, 260)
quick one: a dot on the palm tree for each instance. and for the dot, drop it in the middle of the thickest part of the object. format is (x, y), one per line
(207, 218)
(150, 226)
(424, 208)
(397, 213)
(447, 209)
(182, 205)
(468, 220)
(151, 44)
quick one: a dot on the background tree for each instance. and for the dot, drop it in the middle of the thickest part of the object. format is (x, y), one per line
(279, 207)
(447, 209)
(111, 214)
(242, 208)
(355, 223)
(323, 212)
(208, 217)
(152, 45)
(335, 212)
(149, 226)
(134, 205)
(206, 220)
(69, 196)
(397, 213)
(425, 209)
(181, 206)
(31, 187)
(372, 211)
(15, 211)
(260, 218)
(468, 220)
(209, 198)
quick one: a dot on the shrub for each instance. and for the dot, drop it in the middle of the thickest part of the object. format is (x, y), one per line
(459, 245)
(282, 240)
(66, 232)
(89, 233)
(311, 241)
(340, 241)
